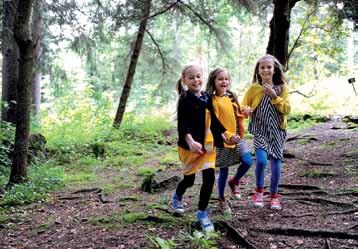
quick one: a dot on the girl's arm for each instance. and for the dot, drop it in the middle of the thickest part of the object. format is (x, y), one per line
(282, 102)
(246, 103)
(184, 129)
(182, 114)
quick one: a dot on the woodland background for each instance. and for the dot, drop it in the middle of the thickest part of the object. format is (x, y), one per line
(90, 85)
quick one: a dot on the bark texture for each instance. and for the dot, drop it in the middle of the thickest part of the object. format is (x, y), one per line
(133, 64)
(10, 63)
(24, 40)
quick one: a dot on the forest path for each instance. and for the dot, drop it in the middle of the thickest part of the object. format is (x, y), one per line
(319, 188)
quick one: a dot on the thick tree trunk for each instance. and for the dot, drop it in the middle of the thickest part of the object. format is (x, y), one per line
(279, 35)
(23, 38)
(10, 64)
(132, 67)
(37, 32)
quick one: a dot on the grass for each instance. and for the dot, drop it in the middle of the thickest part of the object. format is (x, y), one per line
(316, 173)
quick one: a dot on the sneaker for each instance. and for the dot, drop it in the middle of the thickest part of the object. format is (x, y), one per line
(259, 199)
(275, 202)
(235, 192)
(177, 205)
(224, 206)
(205, 222)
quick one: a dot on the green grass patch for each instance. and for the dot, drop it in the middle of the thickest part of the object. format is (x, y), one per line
(42, 180)
(316, 173)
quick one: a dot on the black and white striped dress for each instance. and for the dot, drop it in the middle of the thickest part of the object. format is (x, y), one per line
(265, 127)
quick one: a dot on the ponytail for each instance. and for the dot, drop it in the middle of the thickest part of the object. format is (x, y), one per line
(179, 87)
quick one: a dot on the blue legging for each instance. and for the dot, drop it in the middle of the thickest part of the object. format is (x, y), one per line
(246, 162)
(261, 162)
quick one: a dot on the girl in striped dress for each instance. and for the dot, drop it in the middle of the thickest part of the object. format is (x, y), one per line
(198, 131)
(227, 109)
(267, 103)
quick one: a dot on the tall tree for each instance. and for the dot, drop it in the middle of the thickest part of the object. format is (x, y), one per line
(279, 30)
(133, 64)
(37, 31)
(10, 55)
(26, 45)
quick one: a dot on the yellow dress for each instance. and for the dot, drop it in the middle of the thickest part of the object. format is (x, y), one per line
(194, 162)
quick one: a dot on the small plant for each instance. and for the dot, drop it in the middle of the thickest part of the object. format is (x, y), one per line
(161, 243)
(204, 241)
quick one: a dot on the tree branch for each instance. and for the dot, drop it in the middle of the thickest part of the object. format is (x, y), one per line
(211, 28)
(304, 95)
(159, 50)
(163, 11)
(304, 28)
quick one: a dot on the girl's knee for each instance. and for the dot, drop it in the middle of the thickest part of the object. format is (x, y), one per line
(246, 160)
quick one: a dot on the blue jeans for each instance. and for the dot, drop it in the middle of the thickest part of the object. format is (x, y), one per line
(261, 162)
(246, 162)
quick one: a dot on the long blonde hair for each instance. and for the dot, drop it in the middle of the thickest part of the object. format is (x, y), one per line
(278, 77)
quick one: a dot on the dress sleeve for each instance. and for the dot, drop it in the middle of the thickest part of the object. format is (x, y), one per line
(282, 102)
(183, 125)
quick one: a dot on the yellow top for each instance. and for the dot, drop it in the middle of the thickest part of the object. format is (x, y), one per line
(254, 94)
(225, 112)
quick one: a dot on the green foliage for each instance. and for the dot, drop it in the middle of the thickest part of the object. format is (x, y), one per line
(42, 180)
(7, 137)
(161, 243)
(316, 173)
(203, 241)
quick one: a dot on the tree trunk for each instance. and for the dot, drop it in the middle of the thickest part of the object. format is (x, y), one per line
(279, 27)
(37, 32)
(10, 63)
(23, 38)
(132, 67)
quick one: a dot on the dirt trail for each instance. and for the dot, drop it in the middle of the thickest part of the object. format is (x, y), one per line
(319, 196)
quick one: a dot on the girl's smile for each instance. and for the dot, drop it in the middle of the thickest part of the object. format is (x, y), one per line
(222, 82)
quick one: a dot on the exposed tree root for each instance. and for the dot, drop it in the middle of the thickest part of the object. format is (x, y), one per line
(235, 235)
(349, 211)
(352, 227)
(315, 192)
(324, 201)
(354, 193)
(319, 164)
(300, 186)
(289, 231)
(328, 244)
(88, 190)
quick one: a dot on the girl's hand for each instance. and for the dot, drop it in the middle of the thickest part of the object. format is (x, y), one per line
(194, 146)
(269, 90)
(232, 140)
(247, 111)
(235, 139)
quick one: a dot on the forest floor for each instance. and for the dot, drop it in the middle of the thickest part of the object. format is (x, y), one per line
(319, 188)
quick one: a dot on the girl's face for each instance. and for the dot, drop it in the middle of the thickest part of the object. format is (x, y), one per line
(193, 79)
(266, 70)
(222, 82)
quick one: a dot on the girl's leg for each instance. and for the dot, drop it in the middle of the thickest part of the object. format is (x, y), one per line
(275, 181)
(206, 188)
(246, 162)
(186, 183)
(223, 174)
(261, 161)
(275, 175)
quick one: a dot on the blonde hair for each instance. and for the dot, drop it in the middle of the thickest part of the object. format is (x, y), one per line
(278, 77)
(179, 86)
